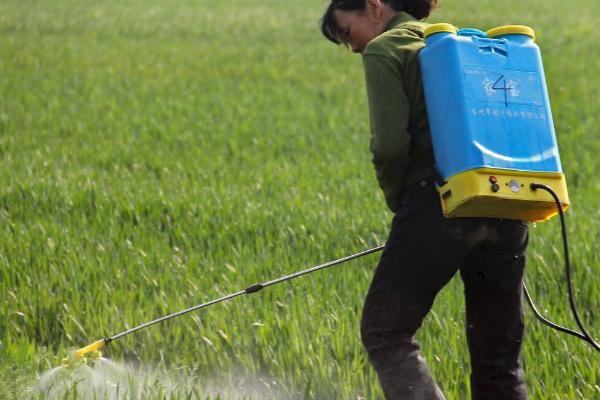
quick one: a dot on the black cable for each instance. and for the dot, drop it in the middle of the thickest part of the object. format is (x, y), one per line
(547, 321)
(584, 334)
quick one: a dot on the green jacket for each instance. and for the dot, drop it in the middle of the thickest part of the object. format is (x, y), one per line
(400, 138)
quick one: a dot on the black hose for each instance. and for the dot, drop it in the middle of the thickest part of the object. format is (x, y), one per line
(584, 335)
(547, 321)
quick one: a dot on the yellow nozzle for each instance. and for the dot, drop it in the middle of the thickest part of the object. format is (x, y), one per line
(80, 354)
(94, 347)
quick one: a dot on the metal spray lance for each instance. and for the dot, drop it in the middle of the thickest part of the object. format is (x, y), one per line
(94, 348)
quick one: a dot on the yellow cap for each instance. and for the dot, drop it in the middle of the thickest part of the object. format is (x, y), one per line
(437, 28)
(511, 30)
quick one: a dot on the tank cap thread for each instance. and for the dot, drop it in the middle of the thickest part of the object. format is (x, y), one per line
(511, 30)
(437, 28)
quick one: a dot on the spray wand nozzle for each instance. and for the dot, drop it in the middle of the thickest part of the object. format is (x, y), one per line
(82, 353)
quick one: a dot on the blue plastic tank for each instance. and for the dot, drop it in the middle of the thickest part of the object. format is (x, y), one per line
(487, 100)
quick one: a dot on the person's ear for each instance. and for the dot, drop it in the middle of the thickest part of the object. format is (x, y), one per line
(374, 10)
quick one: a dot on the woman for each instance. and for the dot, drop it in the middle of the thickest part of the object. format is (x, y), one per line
(424, 249)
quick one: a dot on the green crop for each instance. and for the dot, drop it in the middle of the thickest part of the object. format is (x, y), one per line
(155, 155)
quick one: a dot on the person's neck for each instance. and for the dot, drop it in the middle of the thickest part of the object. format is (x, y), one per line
(387, 13)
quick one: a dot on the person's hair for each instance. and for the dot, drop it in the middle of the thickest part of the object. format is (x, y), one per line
(417, 8)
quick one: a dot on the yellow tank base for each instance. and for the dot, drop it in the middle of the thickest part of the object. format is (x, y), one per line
(498, 193)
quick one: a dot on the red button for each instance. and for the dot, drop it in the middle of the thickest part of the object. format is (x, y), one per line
(493, 179)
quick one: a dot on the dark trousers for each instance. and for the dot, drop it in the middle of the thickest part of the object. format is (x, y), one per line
(422, 253)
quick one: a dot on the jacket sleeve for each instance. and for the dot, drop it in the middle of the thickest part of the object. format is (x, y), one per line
(389, 111)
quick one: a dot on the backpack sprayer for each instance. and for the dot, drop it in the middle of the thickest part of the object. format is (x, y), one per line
(492, 131)
(494, 144)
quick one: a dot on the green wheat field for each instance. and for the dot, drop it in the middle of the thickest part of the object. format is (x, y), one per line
(156, 155)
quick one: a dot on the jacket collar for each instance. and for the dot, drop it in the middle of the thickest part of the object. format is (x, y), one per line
(400, 18)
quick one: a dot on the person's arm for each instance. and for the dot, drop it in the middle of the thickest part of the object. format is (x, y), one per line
(389, 111)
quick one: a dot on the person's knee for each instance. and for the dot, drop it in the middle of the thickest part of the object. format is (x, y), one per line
(378, 335)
